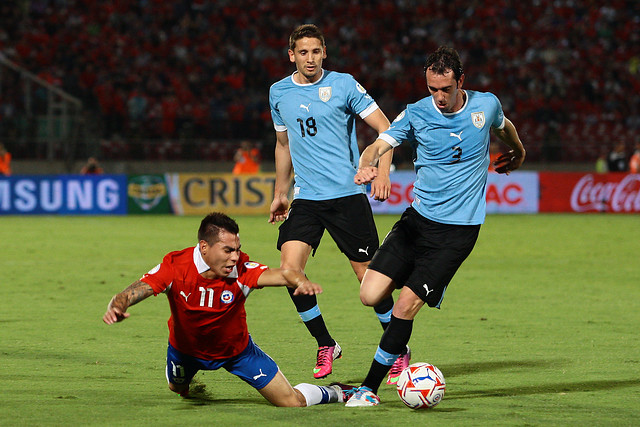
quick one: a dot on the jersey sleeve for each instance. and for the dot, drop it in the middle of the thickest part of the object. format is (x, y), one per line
(498, 121)
(160, 277)
(278, 123)
(249, 271)
(399, 131)
(358, 100)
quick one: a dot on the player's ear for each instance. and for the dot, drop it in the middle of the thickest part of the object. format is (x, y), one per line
(203, 246)
(460, 81)
(292, 57)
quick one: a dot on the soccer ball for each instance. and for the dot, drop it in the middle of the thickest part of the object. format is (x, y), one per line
(421, 385)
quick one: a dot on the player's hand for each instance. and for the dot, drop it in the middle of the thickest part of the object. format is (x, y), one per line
(365, 175)
(508, 162)
(381, 188)
(279, 209)
(308, 288)
(113, 315)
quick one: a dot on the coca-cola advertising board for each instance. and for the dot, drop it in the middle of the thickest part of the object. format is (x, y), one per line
(580, 192)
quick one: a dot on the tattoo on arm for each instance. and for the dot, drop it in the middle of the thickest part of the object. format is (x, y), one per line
(135, 293)
(138, 291)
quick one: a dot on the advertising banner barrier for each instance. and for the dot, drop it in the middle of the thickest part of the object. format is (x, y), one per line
(148, 194)
(513, 193)
(517, 192)
(199, 194)
(400, 197)
(63, 195)
(580, 192)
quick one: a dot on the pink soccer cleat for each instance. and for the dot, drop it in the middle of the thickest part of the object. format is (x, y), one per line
(326, 356)
(401, 363)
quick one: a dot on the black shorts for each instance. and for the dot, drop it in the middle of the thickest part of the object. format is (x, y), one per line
(424, 255)
(348, 220)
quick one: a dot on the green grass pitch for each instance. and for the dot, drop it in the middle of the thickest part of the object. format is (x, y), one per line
(539, 327)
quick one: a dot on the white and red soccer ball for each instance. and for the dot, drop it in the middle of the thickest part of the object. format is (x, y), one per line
(421, 385)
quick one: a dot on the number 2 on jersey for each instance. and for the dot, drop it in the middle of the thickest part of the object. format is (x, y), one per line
(308, 127)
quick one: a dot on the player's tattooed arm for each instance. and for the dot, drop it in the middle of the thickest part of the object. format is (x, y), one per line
(117, 308)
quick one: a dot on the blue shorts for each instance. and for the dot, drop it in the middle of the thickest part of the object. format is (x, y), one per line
(253, 366)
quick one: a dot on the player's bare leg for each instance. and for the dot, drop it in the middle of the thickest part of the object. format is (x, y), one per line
(408, 304)
(280, 393)
(375, 287)
(383, 305)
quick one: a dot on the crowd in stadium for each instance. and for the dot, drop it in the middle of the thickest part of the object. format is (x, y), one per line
(566, 71)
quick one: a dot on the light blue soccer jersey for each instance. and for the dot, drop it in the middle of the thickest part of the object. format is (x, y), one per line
(452, 155)
(319, 119)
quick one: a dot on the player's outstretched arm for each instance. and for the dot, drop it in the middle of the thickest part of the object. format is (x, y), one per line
(290, 278)
(117, 308)
(368, 169)
(381, 185)
(284, 167)
(513, 159)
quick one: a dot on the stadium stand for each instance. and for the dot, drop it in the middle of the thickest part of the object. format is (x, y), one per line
(157, 73)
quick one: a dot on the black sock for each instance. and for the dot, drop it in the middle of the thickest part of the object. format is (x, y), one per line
(315, 325)
(385, 307)
(394, 341)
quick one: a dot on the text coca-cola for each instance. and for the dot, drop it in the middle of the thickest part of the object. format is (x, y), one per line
(590, 194)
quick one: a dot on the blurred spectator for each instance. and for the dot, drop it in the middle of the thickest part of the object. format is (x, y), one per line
(5, 161)
(601, 163)
(617, 159)
(92, 167)
(142, 65)
(634, 161)
(247, 159)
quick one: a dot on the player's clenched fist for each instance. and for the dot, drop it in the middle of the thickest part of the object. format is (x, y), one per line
(365, 175)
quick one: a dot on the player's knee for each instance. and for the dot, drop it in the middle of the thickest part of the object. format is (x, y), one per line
(371, 296)
(367, 299)
(285, 265)
(407, 308)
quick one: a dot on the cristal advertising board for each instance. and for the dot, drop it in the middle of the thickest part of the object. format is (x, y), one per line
(199, 194)
(63, 195)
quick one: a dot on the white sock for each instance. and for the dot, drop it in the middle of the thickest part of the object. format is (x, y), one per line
(317, 394)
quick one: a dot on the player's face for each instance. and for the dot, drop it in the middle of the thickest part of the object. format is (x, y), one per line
(308, 55)
(223, 255)
(446, 91)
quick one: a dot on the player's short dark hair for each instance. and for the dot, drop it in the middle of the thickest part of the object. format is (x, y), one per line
(443, 60)
(305, 30)
(213, 224)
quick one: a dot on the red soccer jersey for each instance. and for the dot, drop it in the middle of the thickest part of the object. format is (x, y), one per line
(208, 319)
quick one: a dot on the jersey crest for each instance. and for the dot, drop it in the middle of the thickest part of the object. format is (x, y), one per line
(324, 93)
(400, 116)
(226, 297)
(478, 119)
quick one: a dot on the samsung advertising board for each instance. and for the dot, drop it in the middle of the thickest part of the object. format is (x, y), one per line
(63, 195)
